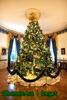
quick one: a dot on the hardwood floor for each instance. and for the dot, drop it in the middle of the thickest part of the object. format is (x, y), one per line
(60, 87)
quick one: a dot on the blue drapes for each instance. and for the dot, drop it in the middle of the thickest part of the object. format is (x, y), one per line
(54, 48)
(10, 50)
(48, 42)
(18, 45)
(55, 51)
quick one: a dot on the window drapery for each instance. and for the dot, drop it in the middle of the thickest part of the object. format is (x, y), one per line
(54, 38)
(10, 39)
(13, 55)
(9, 51)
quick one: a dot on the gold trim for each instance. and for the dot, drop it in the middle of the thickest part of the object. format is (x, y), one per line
(32, 14)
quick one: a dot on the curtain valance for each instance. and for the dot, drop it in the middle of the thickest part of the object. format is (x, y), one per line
(13, 35)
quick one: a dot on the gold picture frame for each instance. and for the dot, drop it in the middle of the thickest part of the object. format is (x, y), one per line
(63, 51)
(3, 51)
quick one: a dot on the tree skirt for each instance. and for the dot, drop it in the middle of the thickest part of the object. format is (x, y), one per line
(13, 79)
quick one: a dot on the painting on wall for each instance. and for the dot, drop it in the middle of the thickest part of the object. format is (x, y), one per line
(3, 51)
(63, 51)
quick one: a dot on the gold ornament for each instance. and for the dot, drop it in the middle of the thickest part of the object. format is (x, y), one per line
(31, 47)
(25, 44)
(29, 36)
(37, 65)
(36, 56)
(34, 45)
(35, 48)
(33, 14)
(25, 50)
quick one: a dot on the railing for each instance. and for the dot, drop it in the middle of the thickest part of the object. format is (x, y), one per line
(62, 63)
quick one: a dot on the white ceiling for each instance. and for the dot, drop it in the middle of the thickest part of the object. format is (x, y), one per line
(53, 14)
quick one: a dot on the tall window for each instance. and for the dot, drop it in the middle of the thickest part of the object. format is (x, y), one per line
(14, 51)
(51, 50)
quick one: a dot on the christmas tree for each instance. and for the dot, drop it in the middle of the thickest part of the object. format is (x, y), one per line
(34, 56)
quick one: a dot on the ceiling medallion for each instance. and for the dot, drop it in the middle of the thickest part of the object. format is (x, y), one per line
(32, 14)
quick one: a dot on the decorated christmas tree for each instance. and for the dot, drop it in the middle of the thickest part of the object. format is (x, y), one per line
(34, 56)
(34, 53)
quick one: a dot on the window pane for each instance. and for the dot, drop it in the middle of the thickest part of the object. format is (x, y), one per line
(14, 51)
(51, 50)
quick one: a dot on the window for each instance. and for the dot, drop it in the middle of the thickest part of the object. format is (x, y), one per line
(14, 51)
(51, 50)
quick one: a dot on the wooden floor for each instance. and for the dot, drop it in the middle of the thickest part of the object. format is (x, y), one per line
(60, 87)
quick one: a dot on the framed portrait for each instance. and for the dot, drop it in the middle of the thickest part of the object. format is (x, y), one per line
(3, 51)
(63, 51)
